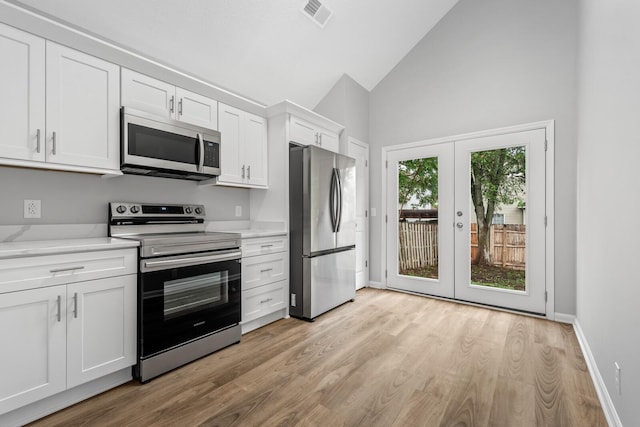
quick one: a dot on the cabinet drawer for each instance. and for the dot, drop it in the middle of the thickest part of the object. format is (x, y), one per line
(264, 245)
(33, 272)
(263, 269)
(263, 300)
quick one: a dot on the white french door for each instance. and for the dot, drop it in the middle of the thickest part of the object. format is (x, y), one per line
(466, 220)
(405, 268)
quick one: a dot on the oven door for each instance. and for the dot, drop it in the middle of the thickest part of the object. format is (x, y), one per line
(186, 297)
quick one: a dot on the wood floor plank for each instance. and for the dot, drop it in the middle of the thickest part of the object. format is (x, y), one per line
(387, 359)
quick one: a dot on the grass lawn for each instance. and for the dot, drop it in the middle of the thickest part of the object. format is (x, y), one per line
(495, 277)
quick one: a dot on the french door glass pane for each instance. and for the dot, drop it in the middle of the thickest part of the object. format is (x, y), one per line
(498, 213)
(418, 217)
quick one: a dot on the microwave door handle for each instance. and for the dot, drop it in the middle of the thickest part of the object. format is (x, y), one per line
(201, 157)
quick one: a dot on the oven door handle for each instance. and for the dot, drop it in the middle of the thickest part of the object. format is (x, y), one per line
(164, 264)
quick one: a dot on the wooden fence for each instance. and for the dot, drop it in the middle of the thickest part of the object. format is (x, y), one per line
(419, 245)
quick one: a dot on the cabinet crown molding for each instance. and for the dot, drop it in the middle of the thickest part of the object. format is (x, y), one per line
(289, 107)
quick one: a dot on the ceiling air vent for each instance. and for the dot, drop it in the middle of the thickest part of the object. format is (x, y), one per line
(318, 12)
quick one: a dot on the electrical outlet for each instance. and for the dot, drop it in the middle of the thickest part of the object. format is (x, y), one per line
(618, 379)
(238, 210)
(32, 208)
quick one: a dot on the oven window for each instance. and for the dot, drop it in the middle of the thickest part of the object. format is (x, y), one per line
(194, 293)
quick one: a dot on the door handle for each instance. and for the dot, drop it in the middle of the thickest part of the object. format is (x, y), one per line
(201, 149)
(180, 107)
(332, 200)
(59, 315)
(53, 146)
(459, 225)
(75, 305)
(339, 191)
(38, 141)
(171, 104)
(242, 171)
(249, 172)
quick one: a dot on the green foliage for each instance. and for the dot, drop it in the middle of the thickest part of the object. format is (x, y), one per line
(418, 178)
(499, 176)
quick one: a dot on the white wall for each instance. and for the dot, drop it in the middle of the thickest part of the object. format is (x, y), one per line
(487, 65)
(347, 103)
(608, 152)
(69, 198)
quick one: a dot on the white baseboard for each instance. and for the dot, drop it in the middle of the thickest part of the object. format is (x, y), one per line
(376, 285)
(603, 394)
(565, 318)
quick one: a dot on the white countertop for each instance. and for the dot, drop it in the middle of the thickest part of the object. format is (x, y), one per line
(52, 247)
(249, 229)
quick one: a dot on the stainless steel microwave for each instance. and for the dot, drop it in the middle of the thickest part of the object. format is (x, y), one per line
(156, 146)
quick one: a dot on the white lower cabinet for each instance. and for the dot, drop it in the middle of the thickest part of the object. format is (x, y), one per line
(33, 358)
(265, 284)
(59, 336)
(101, 322)
(263, 300)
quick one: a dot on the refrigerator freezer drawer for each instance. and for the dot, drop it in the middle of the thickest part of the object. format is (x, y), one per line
(331, 281)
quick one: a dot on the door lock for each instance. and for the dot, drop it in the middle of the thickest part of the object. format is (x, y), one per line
(459, 225)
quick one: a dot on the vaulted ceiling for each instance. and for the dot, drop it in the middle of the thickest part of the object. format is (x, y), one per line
(266, 50)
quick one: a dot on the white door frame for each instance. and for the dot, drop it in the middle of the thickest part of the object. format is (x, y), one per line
(354, 141)
(549, 127)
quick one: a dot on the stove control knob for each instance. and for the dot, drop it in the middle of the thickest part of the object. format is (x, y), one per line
(198, 210)
(134, 209)
(121, 209)
(188, 209)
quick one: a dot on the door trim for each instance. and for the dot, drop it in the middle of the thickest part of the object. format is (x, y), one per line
(367, 228)
(549, 127)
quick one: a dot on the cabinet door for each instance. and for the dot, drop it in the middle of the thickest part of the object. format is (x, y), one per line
(329, 141)
(101, 317)
(82, 108)
(255, 149)
(232, 167)
(32, 360)
(148, 94)
(197, 109)
(302, 132)
(22, 88)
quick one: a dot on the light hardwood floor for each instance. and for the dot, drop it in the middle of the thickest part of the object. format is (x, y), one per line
(387, 359)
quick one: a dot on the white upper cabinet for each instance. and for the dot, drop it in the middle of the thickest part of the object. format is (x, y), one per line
(147, 94)
(163, 99)
(22, 86)
(306, 133)
(83, 99)
(243, 148)
(60, 106)
(196, 109)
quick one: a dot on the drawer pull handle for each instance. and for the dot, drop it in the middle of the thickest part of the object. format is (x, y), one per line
(59, 316)
(75, 305)
(265, 270)
(59, 270)
(266, 246)
(266, 300)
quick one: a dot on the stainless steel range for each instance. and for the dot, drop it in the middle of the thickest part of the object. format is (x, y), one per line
(188, 284)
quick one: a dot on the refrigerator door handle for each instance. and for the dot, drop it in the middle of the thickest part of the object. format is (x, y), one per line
(339, 194)
(332, 201)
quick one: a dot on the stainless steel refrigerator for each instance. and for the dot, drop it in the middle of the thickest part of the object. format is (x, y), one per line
(322, 197)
